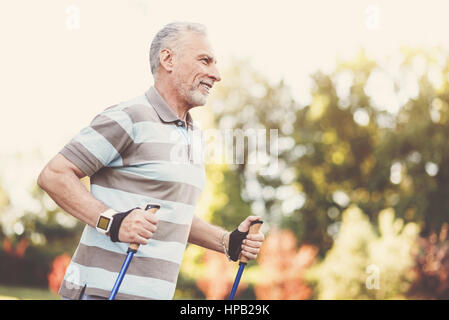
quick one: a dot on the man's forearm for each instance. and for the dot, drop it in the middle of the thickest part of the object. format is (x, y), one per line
(207, 235)
(71, 195)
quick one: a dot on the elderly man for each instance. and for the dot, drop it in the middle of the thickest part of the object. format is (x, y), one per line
(138, 152)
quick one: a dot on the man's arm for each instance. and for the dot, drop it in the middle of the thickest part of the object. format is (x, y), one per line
(60, 178)
(210, 236)
(207, 235)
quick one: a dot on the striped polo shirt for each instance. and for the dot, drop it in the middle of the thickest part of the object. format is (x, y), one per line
(137, 152)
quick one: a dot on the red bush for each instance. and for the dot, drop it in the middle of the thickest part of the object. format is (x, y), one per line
(56, 275)
(283, 265)
(218, 276)
(19, 250)
(432, 267)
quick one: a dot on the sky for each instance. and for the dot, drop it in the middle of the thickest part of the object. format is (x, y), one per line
(62, 62)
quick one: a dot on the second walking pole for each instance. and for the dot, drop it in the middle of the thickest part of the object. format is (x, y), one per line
(254, 228)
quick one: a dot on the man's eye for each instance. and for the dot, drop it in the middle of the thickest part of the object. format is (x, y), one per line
(205, 60)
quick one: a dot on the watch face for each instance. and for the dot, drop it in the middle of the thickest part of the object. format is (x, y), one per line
(103, 223)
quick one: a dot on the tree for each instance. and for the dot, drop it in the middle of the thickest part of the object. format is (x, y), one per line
(34, 230)
(373, 136)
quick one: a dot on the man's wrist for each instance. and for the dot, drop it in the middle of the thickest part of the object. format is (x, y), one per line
(116, 223)
(104, 221)
(225, 244)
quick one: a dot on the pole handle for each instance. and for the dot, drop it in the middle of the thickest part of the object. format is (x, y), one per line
(254, 228)
(151, 208)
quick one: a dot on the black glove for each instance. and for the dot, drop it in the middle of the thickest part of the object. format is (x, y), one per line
(235, 243)
(116, 223)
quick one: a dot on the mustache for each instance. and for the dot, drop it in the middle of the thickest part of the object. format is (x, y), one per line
(209, 83)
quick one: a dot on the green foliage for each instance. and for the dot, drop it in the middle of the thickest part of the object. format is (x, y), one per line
(231, 210)
(4, 202)
(31, 238)
(186, 289)
(27, 293)
(367, 262)
(247, 101)
(373, 135)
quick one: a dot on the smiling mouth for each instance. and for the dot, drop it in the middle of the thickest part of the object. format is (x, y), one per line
(206, 85)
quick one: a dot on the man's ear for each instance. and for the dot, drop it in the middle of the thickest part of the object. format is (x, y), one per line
(166, 59)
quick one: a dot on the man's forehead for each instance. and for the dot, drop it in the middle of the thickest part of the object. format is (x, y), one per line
(199, 44)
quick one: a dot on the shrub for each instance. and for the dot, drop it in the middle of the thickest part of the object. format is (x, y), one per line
(23, 264)
(367, 262)
(56, 275)
(217, 276)
(432, 267)
(281, 267)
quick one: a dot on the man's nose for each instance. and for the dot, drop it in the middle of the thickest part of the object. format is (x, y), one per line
(214, 73)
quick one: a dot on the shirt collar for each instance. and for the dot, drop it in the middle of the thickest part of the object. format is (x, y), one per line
(163, 109)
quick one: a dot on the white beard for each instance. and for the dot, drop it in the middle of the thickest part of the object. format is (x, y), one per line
(193, 96)
(197, 98)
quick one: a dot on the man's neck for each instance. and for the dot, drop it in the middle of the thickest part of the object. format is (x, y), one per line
(171, 96)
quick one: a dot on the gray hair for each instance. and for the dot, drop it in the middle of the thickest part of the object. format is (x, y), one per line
(168, 38)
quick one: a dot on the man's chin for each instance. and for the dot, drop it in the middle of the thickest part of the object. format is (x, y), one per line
(198, 99)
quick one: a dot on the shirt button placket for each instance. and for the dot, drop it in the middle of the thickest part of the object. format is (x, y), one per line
(180, 123)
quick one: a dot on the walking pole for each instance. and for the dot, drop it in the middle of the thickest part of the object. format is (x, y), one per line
(132, 249)
(254, 228)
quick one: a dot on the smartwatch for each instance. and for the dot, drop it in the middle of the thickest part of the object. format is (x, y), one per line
(105, 220)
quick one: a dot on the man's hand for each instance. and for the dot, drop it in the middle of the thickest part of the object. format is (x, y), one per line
(251, 245)
(138, 227)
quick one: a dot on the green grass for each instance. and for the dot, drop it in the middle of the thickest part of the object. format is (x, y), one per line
(27, 293)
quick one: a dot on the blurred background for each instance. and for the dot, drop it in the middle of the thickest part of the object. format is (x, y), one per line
(358, 205)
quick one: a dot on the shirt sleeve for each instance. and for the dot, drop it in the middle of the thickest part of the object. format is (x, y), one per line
(101, 143)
